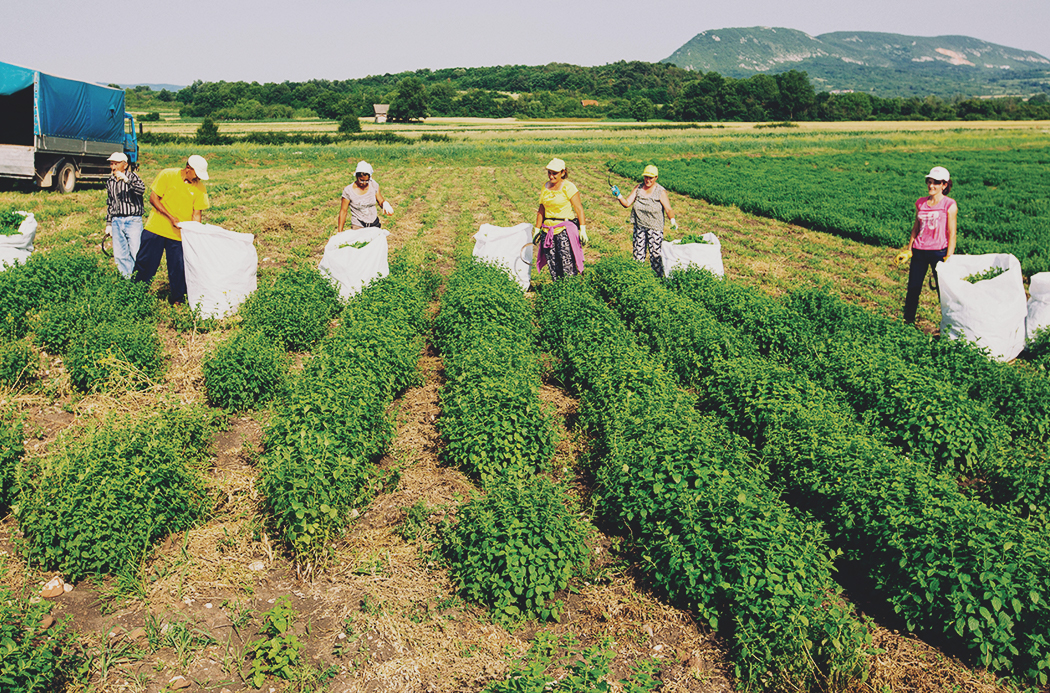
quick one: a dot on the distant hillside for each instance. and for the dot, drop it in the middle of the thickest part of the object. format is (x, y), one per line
(877, 63)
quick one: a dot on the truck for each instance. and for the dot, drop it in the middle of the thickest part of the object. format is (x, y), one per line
(56, 131)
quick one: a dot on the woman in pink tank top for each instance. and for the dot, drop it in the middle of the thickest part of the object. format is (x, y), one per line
(932, 235)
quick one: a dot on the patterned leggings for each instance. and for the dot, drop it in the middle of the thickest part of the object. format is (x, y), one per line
(559, 258)
(655, 240)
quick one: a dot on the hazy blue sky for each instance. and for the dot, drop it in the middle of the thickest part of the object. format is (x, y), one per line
(273, 41)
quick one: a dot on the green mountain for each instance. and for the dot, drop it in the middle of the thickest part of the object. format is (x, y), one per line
(878, 63)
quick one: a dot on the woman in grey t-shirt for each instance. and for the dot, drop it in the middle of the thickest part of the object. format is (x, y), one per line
(362, 198)
(650, 206)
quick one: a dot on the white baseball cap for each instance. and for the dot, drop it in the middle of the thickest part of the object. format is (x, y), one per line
(556, 165)
(118, 156)
(938, 173)
(363, 167)
(199, 166)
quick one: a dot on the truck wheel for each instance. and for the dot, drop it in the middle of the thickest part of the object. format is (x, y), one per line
(66, 178)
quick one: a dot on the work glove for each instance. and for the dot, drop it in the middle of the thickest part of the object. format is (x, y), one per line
(674, 223)
(616, 191)
(536, 231)
(387, 207)
(121, 176)
(583, 235)
(108, 231)
(902, 257)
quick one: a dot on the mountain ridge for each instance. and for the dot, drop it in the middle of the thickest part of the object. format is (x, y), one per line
(875, 62)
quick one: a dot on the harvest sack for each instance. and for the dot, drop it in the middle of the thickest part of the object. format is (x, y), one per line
(505, 246)
(220, 268)
(708, 255)
(350, 268)
(1038, 304)
(990, 312)
(23, 240)
(11, 256)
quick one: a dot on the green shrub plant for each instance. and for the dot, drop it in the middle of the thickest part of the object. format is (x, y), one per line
(245, 370)
(34, 659)
(294, 308)
(100, 501)
(325, 436)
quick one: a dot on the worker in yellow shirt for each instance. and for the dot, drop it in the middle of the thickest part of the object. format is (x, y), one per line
(177, 195)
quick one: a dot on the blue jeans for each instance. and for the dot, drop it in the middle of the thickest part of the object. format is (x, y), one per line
(127, 234)
(148, 260)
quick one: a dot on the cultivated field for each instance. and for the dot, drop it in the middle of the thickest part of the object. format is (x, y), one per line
(382, 614)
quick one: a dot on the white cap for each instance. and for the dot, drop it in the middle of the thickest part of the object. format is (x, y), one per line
(556, 165)
(199, 166)
(363, 167)
(938, 173)
(118, 156)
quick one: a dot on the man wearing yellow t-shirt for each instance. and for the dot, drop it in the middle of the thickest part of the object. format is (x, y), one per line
(177, 195)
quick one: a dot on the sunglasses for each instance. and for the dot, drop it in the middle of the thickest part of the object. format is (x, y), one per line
(930, 181)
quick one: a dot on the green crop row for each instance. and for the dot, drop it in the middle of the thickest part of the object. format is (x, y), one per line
(946, 563)
(711, 533)
(914, 398)
(100, 501)
(101, 323)
(320, 447)
(870, 196)
(491, 416)
(519, 543)
(34, 659)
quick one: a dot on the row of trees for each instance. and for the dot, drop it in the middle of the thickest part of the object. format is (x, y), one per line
(622, 90)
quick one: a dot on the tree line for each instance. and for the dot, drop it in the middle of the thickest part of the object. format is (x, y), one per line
(623, 90)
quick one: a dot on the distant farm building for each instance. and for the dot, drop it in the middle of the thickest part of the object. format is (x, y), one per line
(588, 102)
(381, 111)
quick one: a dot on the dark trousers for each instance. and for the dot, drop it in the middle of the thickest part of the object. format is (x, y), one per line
(921, 260)
(147, 261)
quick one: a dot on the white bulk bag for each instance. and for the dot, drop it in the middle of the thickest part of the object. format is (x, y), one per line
(707, 255)
(990, 312)
(509, 247)
(220, 268)
(351, 269)
(1038, 304)
(23, 240)
(12, 256)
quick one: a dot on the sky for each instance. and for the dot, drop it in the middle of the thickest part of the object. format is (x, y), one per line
(125, 42)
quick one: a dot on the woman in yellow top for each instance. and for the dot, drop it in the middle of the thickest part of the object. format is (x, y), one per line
(560, 228)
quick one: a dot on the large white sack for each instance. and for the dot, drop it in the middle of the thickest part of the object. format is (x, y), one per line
(220, 266)
(990, 312)
(351, 269)
(509, 247)
(706, 255)
(23, 240)
(11, 256)
(1038, 304)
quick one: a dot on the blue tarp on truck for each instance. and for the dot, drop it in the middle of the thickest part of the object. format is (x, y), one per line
(68, 108)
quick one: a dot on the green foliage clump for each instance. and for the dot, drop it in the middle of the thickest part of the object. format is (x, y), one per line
(11, 451)
(125, 354)
(1039, 348)
(349, 124)
(99, 502)
(321, 444)
(492, 417)
(18, 362)
(293, 309)
(10, 220)
(44, 278)
(277, 652)
(35, 659)
(990, 273)
(515, 547)
(561, 665)
(245, 370)
(107, 297)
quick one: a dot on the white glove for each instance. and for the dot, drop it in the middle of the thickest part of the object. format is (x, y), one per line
(387, 208)
(122, 176)
(583, 235)
(108, 232)
(674, 223)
